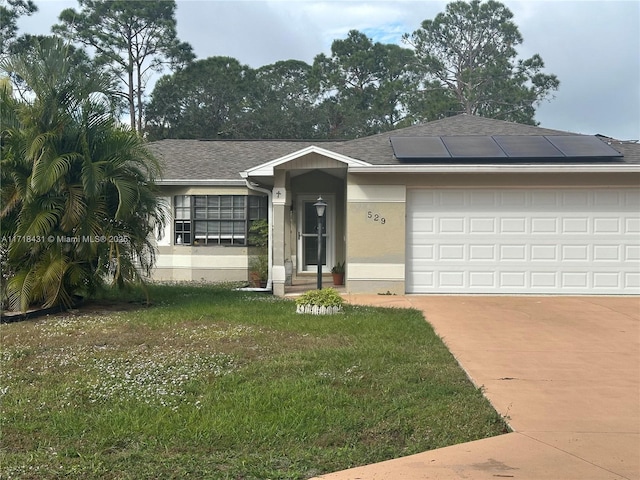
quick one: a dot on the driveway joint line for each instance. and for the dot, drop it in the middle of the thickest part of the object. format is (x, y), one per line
(574, 455)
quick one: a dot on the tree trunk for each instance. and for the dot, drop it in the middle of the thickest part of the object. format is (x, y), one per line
(139, 93)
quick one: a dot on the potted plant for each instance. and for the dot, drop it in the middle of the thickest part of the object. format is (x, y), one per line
(338, 273)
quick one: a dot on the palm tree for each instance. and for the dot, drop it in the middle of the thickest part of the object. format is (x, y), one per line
(78, 192)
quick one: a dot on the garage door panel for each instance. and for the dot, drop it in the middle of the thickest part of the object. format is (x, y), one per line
(451, 279)
(577, 199)
(483, 279)
(423, 253)
(544, 225)
(606, 280)
(543, 253)
(513, 198)
(575, 225)
(511, 225)
(607, 198)
(632, 253)
(632, 280)
(483, 198)
(423, 225)
(605, 253)
(513, 252)
(544, 280)
(451, 225)
(524, 241)
(571, 280)
(632, 225)
(575, 253)
(631, 199)
(542, 199)
(606, 225)
(482, 225)
(425, 281)
(482, 253)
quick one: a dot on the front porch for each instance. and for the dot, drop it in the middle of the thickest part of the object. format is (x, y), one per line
(306, 282)
(294, 183)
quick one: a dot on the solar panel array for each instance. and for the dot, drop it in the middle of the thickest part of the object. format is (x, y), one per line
(503, 147)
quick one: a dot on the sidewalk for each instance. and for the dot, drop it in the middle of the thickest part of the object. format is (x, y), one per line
(564, 370)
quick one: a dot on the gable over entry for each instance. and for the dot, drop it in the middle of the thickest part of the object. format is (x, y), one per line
(295, 181)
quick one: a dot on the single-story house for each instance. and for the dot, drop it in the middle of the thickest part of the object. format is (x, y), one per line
(462, 205)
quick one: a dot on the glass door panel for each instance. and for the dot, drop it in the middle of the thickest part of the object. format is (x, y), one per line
(308, 236)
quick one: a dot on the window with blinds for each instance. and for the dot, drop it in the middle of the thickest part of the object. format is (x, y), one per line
(216, 219)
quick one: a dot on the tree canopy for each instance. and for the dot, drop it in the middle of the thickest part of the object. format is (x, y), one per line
(365, 85)
(10, 11)
(205, 100)
(281, 103)
(462, 61)
(469, 50)
(131, 39)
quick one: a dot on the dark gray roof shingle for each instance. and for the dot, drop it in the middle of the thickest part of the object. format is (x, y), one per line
(225, 159)
(221, 159)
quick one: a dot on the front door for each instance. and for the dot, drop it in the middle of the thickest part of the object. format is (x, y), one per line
(308, 234)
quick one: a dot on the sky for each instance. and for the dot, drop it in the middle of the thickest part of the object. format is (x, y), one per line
(593, 47)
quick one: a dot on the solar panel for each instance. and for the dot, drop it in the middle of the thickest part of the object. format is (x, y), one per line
(527, 146)
(582, 146)
(473, 146)
(418, 147)
(513, 147)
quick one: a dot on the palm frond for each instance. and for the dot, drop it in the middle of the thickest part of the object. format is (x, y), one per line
(75, 209)
(49, 171)
(20, 289)
(127, 195)
(51, 271)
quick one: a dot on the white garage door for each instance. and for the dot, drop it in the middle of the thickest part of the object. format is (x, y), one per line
(556, 241)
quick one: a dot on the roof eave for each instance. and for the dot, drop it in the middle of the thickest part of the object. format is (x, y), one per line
(204, 181)
(498, 168)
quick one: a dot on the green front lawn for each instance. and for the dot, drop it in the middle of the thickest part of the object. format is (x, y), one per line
(218, 384)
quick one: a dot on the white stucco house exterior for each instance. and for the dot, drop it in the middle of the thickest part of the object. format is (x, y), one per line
(462, 205)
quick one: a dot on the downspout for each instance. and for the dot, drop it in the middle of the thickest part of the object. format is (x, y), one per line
(253, 186)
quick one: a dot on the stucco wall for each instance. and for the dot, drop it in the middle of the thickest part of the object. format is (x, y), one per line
(375, 238)
(208, 263)
(211, 263)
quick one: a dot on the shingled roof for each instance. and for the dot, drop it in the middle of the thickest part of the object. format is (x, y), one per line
(221, 159)
(225, 159)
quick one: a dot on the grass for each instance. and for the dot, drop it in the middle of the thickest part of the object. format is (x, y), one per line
(214, 383)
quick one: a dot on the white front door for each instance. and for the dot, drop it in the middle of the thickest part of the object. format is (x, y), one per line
(308, 234)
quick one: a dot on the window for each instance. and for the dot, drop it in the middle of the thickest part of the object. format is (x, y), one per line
(216, 219)
(183, 219)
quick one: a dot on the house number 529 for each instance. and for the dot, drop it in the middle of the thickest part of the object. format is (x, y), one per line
(375, 217)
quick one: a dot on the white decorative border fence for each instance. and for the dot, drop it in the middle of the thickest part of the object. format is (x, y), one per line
(317, 309)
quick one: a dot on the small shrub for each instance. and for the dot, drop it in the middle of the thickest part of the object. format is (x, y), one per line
(259, 233)
(327, 297)
(260, 265)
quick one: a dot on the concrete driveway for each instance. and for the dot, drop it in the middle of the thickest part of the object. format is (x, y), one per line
(565, 371)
